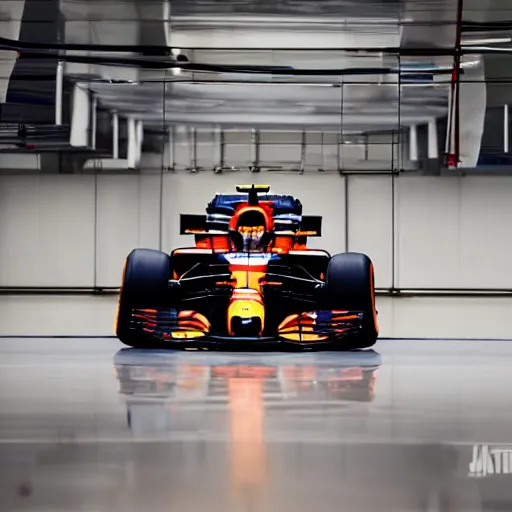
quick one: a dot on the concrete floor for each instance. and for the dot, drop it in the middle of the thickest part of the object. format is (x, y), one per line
(86, 425)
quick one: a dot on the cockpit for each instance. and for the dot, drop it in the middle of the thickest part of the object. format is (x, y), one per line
(252, 226)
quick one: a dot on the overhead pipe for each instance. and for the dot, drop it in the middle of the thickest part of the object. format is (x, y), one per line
(17, 45)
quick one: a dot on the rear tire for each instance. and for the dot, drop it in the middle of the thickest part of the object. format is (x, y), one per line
(350, 285)
(145, 285)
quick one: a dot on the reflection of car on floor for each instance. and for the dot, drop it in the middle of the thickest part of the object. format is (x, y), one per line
(162, 390)
(250, 278)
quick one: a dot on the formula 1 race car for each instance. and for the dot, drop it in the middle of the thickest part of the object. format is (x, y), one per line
(249, 280)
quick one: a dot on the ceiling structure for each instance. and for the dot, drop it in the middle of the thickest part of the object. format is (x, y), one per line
(386, 91)
(298, 34)
(294, 34)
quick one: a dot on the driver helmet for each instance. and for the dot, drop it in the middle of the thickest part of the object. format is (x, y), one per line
(252, 237)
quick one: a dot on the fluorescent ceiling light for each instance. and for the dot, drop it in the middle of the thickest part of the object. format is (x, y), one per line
(489, 40)
(495, 49)
(470, 64)
(252, 80)
(241, 20)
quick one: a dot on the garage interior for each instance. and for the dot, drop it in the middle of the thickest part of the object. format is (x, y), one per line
(388, 118)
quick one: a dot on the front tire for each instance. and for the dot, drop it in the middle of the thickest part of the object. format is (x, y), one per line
(350, 285)
(145, 284)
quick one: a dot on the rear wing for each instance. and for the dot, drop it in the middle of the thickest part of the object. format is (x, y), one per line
(192, 224)
(311, 225)
(262, 189)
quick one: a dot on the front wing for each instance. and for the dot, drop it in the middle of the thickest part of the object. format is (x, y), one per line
(187, 327)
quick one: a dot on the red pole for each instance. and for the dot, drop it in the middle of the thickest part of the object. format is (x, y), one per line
(456, 85)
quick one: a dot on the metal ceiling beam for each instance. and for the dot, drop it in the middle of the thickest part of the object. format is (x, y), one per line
(365, 106)
(287, 8)
(153, 22)
(276, 37)
(11, 14)
(80, 30)
(281, 119)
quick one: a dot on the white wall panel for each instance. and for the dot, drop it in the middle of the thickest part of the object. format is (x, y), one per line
(450, 232)
(128, 213)
(320, 194)
(455, 317)
(428, 232)
(486, 232)
(46, 230)
(370, 222)
(454, 232)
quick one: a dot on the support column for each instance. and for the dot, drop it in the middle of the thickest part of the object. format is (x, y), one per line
(170, 147)
(413, 143)
(193, 149)
(166, 14)
(94, 120)
(506, 134)
(132, 144)
(139, 129)
(303, 152)
(433, 146)
(473, 107)
(255, 150)
(58, 93)
(80, 118)
(115, 135)
(219, 149)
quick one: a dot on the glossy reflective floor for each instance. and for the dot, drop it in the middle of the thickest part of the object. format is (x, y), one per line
(86, 425)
